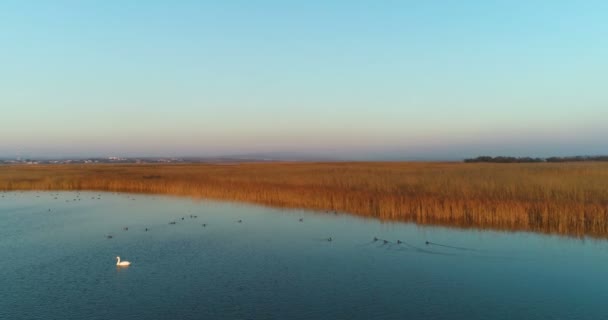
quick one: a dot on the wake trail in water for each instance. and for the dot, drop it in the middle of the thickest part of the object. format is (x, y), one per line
(400, 245)
(366, 244)
(475, 253)
(409, 247)
(451, 247)
(420, 250)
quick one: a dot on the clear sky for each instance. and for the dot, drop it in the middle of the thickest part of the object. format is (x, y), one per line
(351, 79)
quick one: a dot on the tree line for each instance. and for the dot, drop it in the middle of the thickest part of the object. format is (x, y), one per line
(503, 159)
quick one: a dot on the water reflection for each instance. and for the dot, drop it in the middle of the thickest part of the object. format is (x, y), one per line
(277, 264)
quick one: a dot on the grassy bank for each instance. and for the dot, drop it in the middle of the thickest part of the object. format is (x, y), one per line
(564, 198)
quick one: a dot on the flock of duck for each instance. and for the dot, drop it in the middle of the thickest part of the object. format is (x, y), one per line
(374, 240)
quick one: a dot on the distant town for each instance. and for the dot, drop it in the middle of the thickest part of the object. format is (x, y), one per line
(126, 160)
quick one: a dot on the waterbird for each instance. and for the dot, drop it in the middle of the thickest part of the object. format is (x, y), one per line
(301, 219)
(126, 228)
(375, 239)
(330, 239)
(122, 263)
(146, 229)
(172, 222)
(399, 242)
(109, 236)
(240, 221)
(204, 224)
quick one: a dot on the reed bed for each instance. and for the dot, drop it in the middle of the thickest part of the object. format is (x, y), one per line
(561, 198)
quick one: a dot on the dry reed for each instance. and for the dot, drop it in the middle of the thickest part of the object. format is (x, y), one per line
(563, 198)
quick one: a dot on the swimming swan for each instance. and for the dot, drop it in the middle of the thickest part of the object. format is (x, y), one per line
(122, 263)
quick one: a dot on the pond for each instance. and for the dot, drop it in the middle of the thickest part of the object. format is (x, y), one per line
(225, 260)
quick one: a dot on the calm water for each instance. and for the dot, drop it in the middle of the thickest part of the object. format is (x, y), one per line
(58, 264)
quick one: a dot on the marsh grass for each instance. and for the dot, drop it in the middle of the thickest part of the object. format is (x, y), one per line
(563, 198)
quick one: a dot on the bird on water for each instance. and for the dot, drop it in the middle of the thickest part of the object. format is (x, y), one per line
(122, 263)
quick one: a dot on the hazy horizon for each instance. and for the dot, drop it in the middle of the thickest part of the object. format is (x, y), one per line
(344, 80)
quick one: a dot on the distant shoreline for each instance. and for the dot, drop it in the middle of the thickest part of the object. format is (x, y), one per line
(270, 159)
(505, 159)
(558, 198)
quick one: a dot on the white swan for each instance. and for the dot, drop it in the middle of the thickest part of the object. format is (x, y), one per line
(122, 263)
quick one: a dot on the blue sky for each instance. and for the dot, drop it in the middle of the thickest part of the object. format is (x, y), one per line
(349, 79)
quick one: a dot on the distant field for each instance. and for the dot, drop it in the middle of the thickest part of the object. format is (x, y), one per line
(564, 198)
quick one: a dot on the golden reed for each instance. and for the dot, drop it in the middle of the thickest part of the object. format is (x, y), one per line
(563, 198)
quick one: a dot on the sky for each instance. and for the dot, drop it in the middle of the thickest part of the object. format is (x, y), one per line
(345, 79)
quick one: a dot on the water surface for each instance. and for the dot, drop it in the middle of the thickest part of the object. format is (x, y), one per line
(58, 263)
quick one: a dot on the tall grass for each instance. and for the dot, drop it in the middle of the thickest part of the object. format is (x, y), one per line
(564, 198)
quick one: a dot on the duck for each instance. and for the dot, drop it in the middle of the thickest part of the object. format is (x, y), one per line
(122, 263)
